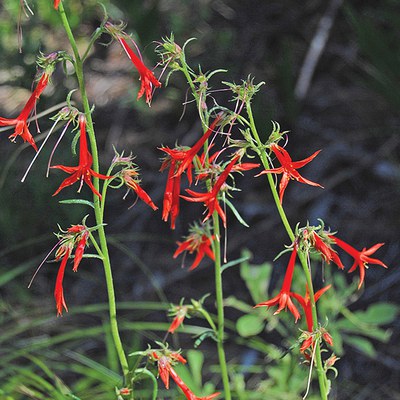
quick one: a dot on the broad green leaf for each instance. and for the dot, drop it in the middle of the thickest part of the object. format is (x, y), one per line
(362, 344)
(256, 277)
(379, 314)
(249, 325)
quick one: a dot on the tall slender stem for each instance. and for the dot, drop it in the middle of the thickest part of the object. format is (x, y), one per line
(97, 206)
(302, 257)
(220, 307)
(220, 331)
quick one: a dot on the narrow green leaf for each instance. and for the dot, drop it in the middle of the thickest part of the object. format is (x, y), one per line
(235, 262)
(235, 212)
(77, 201)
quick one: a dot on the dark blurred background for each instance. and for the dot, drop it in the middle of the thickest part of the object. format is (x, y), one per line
(332, 79)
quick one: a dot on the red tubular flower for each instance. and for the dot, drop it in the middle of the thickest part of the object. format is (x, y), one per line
(21, 124)
(127, 176)
(56, 4)
(245, 167)
(80, 248)
(283, 299)
(180, 315)
(187, 160)
(196, 242)
(171, 195)
(179, 161)
(210, 199)
(361, 258)
(288, 169)
(166, 370)
(75, 236)
(59, 291)
(328, 254)
(147, 77)
(306, 304)
(176, 323)
(82, 172)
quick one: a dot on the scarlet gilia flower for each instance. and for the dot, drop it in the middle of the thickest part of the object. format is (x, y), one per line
(147, 78)
(210, 199)
(199, 242)
(56, 4)
(130, 177)
(75, 237)
(83, 171)
(325, 249)
(306, 305)
(21, 122)
(245, 167)
(179, 313)
(180, 160)
(361, 258)
(59, 291)
(166, 370)
(283, 299)
(288, 169)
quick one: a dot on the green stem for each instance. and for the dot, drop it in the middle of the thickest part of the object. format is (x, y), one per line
(302, 257)
(220, 308)
(220, 331)
(97, 206)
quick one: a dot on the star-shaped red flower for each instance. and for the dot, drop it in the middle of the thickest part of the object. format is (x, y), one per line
(361, 258)
(210, 199)
(284, 298)
(83, 171)
(288, 169)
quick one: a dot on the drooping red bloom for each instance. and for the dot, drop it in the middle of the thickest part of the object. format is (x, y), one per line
(288, 169)
(245, 167)
(210, 199)
(56, 4)
(80, 248)
(328, 254)
(197, 242)
(59, 291)
(21, 122)
(147, 77)
(361, 258)
(180, 160)
(306, 304)
(180, 315)
(171, 195)
(129, 176)
(75, 237)
(283, 299)
(166, 371)
(83, 171)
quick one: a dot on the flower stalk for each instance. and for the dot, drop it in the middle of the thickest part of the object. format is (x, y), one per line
(216, 244)
(78, 64)
(322, 380)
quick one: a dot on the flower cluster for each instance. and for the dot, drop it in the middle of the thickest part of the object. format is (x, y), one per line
(166, 359)
(75, 237)
(180, 160)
